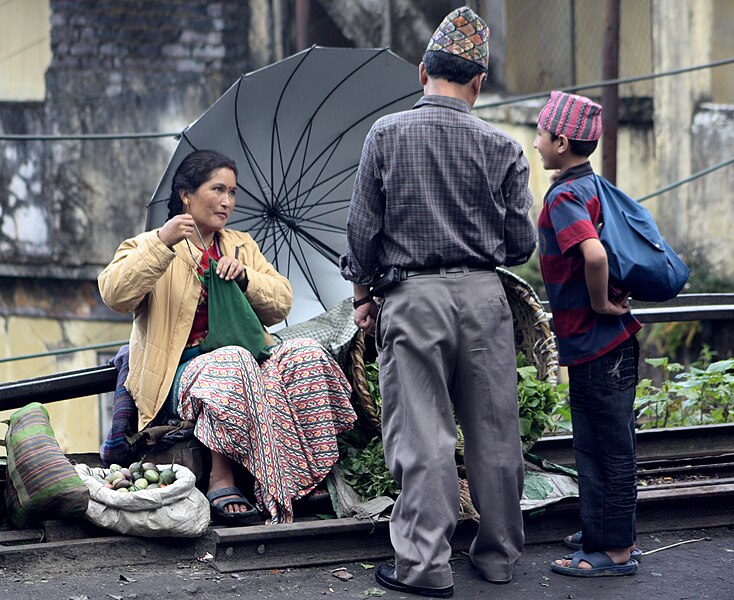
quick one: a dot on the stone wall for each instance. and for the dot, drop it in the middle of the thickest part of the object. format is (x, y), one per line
(136, 66)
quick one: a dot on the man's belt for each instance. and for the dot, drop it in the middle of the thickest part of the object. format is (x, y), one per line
(405, 273)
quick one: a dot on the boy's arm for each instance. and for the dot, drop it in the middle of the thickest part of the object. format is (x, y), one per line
(596, 270)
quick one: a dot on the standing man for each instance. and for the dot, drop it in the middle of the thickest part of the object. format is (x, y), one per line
(443, 197)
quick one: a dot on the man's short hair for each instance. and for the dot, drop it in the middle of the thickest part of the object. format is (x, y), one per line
(579, 147)
(442, 65)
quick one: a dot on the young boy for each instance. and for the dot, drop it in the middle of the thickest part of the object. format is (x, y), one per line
(596, 340)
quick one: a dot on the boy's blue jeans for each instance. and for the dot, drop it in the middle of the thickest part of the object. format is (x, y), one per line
(602, 394)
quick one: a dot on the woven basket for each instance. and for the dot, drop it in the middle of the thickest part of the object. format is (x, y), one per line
(533, 337)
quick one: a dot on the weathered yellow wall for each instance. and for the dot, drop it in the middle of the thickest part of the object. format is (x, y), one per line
(75, 422)
(635, 154)
(25, 49)
(722, 46)
(538, 47)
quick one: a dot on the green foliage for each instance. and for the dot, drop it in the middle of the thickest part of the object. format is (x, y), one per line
(362, 458)
(542, 404)
(560, 419)
(365, 470)
(538, 399)
(669, 338)
(536, 487)
(372, 376)
(700, 396)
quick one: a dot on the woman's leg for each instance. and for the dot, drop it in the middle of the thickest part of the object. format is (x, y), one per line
(222, 476)
(279, 419)
(221, 392)
(309, 397)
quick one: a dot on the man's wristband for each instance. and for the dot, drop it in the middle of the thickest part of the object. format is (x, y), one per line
(361, 301)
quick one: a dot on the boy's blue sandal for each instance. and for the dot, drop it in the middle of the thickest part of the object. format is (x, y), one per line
(601, 566)
(574, 542)
(636, 554)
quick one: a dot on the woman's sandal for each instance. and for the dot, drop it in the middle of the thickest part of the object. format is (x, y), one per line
(249, 517)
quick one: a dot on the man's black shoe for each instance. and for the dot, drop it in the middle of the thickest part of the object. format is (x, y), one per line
(385, 576)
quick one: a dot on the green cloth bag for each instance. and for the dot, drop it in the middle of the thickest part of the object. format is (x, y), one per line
(232, 322)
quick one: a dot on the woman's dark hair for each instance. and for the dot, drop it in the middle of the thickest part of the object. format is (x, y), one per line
(579, 147)
(194, 170)
(442, 65)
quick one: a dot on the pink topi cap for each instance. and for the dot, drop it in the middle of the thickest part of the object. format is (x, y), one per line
(576, 117)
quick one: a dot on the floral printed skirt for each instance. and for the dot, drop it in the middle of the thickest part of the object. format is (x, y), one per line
(279, 419)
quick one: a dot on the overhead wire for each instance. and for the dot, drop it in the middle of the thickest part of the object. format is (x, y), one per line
(64, 351)
(506, 101)
(503, 102)
(23, 49)
(609, 82)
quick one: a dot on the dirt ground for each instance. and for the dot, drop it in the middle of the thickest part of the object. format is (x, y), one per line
(698, 569)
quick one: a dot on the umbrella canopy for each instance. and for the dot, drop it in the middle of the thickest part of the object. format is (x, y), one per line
(296, 129)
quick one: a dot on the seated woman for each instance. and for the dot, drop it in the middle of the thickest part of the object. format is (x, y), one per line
(278, 419)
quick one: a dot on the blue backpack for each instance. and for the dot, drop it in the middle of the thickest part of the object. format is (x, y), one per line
(640, 261)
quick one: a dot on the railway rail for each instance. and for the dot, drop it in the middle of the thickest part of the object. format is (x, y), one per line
(686, 481)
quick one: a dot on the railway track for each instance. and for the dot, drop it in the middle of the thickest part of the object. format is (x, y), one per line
(686, 481)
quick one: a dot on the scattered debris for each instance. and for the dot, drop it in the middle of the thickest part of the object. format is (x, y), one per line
(703, 539)
(374, 592)
(127, 579)
(342, 574)
(366, 566)
(208, 557)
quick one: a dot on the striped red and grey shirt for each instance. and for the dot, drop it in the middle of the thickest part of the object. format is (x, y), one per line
(571, 208)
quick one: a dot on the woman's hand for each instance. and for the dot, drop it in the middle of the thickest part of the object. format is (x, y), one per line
(229, 268)
(181, 227)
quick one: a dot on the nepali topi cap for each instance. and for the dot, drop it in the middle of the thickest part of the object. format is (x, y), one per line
(576, 117)
(463, 34)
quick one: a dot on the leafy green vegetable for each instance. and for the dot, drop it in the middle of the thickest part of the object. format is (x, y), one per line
(699, 396)
(536, 487)
(538, 401)
(365, 470)
(362, 459)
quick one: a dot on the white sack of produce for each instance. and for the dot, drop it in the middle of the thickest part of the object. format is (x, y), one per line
(177, 509)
